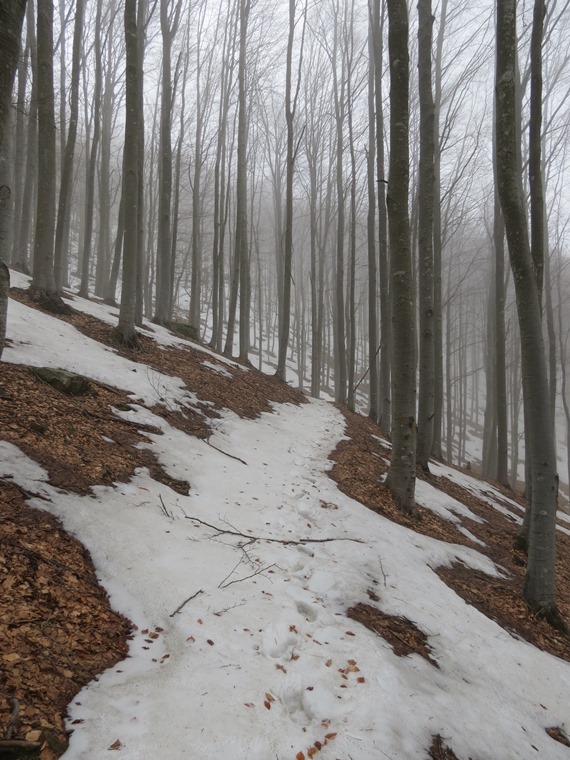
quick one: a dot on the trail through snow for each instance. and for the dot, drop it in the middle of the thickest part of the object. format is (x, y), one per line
(261, 662)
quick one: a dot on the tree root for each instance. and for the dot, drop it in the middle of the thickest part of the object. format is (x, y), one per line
(128, 341)
(49, 301)
(553, 617)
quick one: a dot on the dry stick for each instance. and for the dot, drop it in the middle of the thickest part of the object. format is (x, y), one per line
(186, 602)
(259, 571)
(22, 744)
(284, 541)
(226, 453)
(13, 717)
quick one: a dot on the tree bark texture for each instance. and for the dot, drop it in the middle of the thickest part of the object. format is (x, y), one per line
(402, 473)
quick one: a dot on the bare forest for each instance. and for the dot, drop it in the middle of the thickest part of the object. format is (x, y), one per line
(367, 199)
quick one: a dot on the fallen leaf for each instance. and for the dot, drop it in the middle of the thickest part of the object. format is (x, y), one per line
(361, 679)
(292, 629)
(328, 663)
(116, 744)
(330, 736)
(249, 704)
(350, 633)
(300, 756)
(312, 751)
(267, 704)
(269, 696)
(210, 642)
(280, 667)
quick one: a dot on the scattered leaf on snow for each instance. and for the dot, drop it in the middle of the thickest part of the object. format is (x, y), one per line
(116, 744)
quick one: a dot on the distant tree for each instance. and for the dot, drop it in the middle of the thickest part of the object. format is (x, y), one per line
(69, 152)
(93, 153)
(401, 478)
(291, 98)
(539, 588)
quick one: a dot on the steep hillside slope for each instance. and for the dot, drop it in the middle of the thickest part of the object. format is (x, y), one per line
(265, 612)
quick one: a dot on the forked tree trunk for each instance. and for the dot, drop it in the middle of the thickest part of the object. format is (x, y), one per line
(539, 588)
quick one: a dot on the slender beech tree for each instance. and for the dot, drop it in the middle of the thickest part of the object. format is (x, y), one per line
(401, 478)
(384, 391)
(425, 237)
(43, 281)
(22, 252)
(92, 165)
(11, 19)
(169, 20)
(125, 331)
(291, 99)
(69, 152)
(241, 234)
(373, 407)
(539, 587)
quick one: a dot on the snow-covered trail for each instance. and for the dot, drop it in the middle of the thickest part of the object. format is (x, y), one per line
(250, 669)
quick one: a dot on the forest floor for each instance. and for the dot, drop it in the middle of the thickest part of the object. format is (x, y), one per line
(61, 631)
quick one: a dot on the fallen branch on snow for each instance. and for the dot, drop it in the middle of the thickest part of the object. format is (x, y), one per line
(284, 541)
(186, 602)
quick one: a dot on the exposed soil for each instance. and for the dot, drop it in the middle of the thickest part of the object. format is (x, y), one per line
(60, 630)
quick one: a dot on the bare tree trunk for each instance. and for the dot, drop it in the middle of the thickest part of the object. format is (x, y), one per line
(290, 108)
(425, 238)
(402, 473)
(43, 281)
(168, 28)
(22, 255)
(502, 468)
(437, 245)
(125, 331)
(539, 589)
(241, 241)
(92, 166)
(373, 408)
(384, 390)
(67, 165)
(339, 320)
(11, 19)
